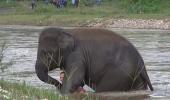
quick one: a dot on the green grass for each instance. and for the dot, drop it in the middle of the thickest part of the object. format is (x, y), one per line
(5, 4)
(24, 92)
(50, 15)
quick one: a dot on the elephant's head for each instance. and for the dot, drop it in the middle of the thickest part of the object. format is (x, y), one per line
(54, 45)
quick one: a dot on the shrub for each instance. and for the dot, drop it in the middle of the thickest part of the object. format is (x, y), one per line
(141, 6)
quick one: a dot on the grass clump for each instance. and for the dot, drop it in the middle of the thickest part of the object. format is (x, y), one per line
(21, 91)
(145, 6)
(8, 3)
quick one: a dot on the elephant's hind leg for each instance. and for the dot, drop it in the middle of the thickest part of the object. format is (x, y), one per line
(113, 80)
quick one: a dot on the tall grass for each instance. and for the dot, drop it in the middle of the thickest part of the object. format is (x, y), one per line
(89, 7)
(21, 91)
(7, 3)
(145, 6)
(4, 65)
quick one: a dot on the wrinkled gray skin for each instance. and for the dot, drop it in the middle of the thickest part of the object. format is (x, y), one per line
(90, 56)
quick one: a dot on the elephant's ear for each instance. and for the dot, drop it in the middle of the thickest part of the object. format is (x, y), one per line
(66, 40)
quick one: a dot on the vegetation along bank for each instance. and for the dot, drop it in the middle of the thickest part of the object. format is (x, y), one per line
(108, 13)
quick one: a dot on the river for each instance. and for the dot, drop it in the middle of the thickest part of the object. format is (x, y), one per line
(22, 41)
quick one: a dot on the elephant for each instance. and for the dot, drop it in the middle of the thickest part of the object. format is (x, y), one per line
(100, 58)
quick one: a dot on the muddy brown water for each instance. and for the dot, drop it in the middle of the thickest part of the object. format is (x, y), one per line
(22, 41)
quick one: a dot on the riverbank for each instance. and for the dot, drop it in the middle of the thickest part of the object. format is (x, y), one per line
(65, 21)
(163, 24)
(110, 14)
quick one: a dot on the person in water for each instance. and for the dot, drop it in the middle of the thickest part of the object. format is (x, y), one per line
(79, 90)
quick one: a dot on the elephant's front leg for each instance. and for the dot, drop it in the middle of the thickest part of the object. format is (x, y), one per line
(73, 80)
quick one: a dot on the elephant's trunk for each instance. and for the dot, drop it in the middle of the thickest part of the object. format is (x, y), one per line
(42, 73)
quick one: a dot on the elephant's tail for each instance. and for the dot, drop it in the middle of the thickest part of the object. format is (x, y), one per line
(145, 77)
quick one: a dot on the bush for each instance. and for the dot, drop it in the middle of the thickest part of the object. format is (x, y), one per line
(88, 2)
(7, 3)
(141, 6)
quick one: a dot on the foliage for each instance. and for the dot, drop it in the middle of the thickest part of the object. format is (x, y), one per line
(70, 16)
(130, 6)
(21, 91)
(88, 2)
(8, 3)
(3, 65)
(143, 6)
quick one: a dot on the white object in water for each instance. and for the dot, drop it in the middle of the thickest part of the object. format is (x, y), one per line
(87, 88)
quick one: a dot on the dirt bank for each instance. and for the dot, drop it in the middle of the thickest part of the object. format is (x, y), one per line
(130, 23)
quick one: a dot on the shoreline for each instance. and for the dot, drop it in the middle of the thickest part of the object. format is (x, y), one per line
(110, 14)
(142, 24)
(94, 26)
(162, 24)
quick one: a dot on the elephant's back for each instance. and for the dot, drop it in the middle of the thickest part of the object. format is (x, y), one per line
(95, 34)
(100, 38)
